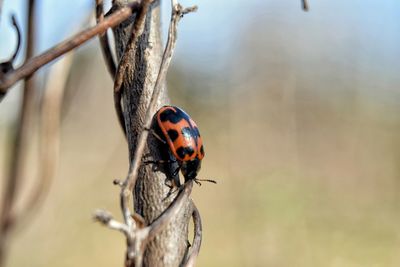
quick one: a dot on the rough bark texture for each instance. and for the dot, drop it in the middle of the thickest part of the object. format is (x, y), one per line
(169, 247)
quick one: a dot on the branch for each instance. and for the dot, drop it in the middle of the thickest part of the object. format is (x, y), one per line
(1, 7)
(171, 211)
(137, 30)
(51, 105)
(305, 5)
(32, 65)
(18, 30)
(104, 42)
(130, 48)
(190, 260)
(138, 237)
(21, 141)
(106, 219)
(8, 66)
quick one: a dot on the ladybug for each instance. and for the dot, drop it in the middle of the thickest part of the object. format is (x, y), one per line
(180, 134)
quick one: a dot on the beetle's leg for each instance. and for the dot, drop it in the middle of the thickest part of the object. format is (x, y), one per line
(169, 183)
(156, 135)
(176, 171)
(157, 161)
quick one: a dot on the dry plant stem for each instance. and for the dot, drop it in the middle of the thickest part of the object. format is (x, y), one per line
(137, 30)
(190, 261)
(17, 29)
(20, 143)
(171, 211)
(1, 8)
(104, 42)
(49, 136)
(106, 219)
(305, 5)
(8, 66)
(130, 181)
(130, 48)
(137, 238)
(33, 64)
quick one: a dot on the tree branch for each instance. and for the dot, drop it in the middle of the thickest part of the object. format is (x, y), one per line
(33, 64)
(51, 105)
(8, 65)
(137, 30)
(138, 237)
(20, 143)
(104, 42)
(171, 211)
(305, 5)
(17, 29)
(190, 260)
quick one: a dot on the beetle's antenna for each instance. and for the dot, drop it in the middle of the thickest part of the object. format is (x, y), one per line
(197, 181)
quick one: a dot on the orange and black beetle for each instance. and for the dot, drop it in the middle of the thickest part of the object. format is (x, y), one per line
(182, 136)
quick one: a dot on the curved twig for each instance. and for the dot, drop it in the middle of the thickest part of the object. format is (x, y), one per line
(171, 211)
(32, 65)
(305, 5)
(49, 136)
(106, 219)
(21, 141)
(130, 48)
(18, 30)
(1, 7)
(137, 237)
(190, 260)
(104, 42)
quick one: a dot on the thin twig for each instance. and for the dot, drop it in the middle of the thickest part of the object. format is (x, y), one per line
(138, 237)
(195, 249)
(177, 13)
(21, 141)
(32, 65)
(18, 30)
(171, 211)
(305, 5)
(8, 66)
(51, 105)
(104, 42)
(106, 219)
(130, 49)
(1, 8)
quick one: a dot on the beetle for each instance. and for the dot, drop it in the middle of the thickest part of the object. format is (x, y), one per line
(176, 130)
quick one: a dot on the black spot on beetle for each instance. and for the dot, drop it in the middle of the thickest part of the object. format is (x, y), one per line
(202, 150)
(196, 131)
(173, 116)
(168, 115)
(183, 151)
(173, 134)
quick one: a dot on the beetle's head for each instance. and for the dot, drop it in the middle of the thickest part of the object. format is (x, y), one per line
(191, 168)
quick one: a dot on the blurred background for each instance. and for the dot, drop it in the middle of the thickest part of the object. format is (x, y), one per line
(300, 117)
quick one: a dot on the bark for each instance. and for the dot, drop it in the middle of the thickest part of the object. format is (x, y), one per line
(169, 247)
